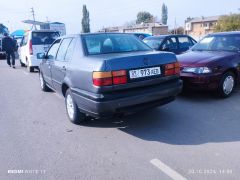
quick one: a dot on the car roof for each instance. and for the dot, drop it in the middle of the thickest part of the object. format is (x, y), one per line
(169, 35)
(227, 33)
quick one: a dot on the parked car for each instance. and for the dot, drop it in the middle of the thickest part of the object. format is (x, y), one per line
(177, 44)
(141, 36)
(213, 63)
(102, 75)
(34, 42)
(2, 53)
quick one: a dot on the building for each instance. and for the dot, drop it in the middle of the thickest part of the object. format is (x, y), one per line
(55, 26)
(149, 28)
(200, 27)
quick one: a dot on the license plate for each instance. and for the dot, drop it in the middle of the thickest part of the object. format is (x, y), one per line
(146, 72)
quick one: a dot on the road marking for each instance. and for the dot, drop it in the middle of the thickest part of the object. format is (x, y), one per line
(167, 170)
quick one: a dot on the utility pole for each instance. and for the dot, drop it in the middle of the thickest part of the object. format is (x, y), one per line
(33, 14)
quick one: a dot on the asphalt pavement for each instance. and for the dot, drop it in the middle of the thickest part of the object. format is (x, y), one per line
(196, 137)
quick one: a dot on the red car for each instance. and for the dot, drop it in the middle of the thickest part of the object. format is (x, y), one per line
(213, 63)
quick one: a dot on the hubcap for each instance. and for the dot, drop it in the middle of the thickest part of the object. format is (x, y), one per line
(228, 85)
(41, 81)
(70, 106)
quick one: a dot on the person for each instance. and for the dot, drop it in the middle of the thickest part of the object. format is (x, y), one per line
(8, 45)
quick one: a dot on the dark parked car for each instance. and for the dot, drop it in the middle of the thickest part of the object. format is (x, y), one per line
(177, 44)
(102, 75)
(213, 63)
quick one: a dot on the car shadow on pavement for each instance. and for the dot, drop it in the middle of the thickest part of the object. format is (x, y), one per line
(190, 120)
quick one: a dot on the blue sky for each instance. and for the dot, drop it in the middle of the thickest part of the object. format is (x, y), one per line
(104, 13)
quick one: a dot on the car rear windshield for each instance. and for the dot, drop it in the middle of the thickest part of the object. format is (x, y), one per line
(218, 43)
(42, 38)
(113, 43)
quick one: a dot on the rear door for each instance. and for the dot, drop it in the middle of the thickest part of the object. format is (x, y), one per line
(61, 62)
(47, 63)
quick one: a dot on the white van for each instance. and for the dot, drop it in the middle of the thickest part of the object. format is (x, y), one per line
(34, 43)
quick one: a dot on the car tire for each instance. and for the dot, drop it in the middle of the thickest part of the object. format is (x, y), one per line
(43, 84)
(75, 116)
(30, 69)
(226, 85)
(21, 63)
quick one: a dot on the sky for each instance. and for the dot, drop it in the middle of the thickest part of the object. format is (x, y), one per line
(105, 13)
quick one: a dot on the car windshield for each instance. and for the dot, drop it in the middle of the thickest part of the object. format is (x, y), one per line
(154, 43)
(218, 43)
(41, 38)
(113, 43)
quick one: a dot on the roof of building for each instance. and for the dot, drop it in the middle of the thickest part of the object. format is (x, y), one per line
(203, 19)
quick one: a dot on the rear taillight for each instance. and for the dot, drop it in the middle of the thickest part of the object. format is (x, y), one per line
(172, 69)
(109, 78)
(30, 47)
(119, 77)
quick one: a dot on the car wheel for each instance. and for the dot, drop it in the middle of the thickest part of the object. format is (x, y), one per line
(43, 84)
(75, 116)
(226, 85)
(21, 63)
(29, 68)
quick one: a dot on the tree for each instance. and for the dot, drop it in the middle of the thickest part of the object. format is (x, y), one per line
(85, 20)
(228, 23)
(164, 14)
(144, 17)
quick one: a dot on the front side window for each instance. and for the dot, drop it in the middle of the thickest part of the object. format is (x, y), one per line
(218, 43)
(53, 50)
(113, 43)
(170, 44)
(184, 42)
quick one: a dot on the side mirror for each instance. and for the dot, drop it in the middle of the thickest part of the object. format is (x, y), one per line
(41, 56)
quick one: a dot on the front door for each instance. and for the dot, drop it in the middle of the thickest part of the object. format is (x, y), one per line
(47, 63)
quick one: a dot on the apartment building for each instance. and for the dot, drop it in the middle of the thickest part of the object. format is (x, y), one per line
(200, 27)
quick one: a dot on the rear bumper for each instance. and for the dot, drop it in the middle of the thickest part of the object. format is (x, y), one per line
(127, 102)
(201, 82)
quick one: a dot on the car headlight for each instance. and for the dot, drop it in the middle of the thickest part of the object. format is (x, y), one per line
(197, 70)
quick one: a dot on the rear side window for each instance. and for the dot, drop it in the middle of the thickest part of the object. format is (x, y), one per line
(70, 50)
(24, 40)
(42, 38)
(63, 49)
(184, 42)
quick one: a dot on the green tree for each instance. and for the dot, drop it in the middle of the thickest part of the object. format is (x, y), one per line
(85, 20)
(144, 17)
(228, 23)
(164, 14)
